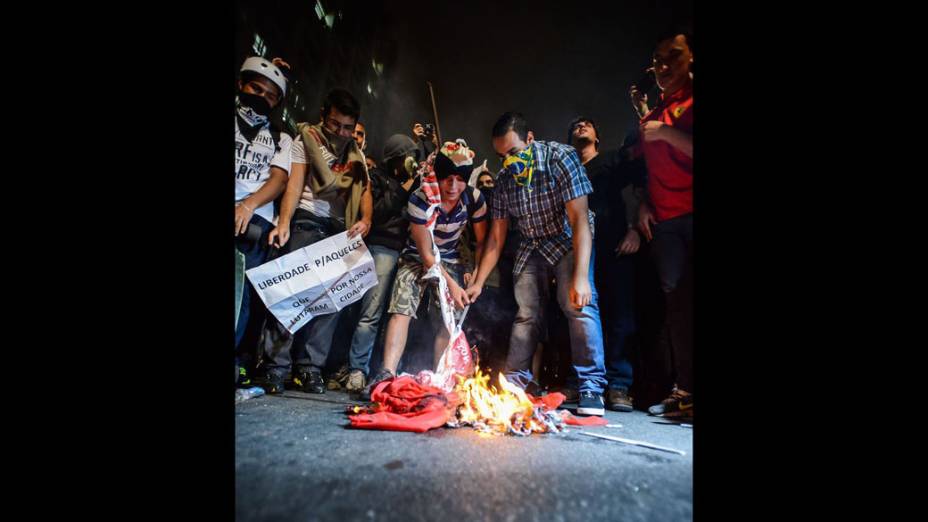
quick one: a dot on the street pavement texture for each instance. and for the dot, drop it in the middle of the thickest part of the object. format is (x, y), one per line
(296, 459)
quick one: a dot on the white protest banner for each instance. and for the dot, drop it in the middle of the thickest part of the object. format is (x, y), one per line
(344, 266)
(295, 311)
(318, 279)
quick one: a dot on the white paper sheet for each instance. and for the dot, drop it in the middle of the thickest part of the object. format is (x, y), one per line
(318, 279)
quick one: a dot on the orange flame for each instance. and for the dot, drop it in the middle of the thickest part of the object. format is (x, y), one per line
(496, 408)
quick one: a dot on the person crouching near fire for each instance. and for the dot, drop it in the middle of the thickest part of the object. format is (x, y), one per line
(460, 204)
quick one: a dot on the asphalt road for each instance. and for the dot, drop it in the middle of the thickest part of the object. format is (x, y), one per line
(295, 459)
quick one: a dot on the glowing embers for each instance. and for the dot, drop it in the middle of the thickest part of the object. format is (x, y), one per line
(504, 410)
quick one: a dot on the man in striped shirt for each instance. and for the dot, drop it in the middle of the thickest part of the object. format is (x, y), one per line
(460, 203)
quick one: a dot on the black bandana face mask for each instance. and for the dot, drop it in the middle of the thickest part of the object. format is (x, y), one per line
(253, 109)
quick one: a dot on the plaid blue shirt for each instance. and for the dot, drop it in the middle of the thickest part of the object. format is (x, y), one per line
(542, 213)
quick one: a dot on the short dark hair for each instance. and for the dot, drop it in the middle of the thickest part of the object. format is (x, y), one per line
(511, 121)
(671, 32)
(574, 122)
(485, 173)
(343, 102)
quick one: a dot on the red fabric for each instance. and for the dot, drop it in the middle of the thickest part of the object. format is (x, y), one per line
(550, 401)
(432, 193)
(572, 420)
(402, 404)
(670, 172)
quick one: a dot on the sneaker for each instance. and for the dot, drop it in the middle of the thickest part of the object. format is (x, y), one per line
(591, 403)
(381, 376)
(618, 400)
(339, 379)
(356, 381)
(679, 404)
(273, 382)
(309, 381)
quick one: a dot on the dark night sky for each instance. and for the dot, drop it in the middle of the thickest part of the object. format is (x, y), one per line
(549, 61)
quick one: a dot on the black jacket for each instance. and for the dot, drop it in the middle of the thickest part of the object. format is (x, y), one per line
(390, 227)
(609, 173)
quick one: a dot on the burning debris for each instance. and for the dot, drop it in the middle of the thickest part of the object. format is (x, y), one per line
(503, 410)
(406, 404)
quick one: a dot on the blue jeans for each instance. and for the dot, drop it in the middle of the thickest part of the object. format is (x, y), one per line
(372, 307)
(255, 255)
(586, 336)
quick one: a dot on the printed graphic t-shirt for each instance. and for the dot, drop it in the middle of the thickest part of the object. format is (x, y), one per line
(253, 162)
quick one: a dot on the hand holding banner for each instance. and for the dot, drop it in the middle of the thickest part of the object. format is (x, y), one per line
(318, 279)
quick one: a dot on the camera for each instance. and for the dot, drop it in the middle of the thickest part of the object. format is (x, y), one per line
(429, 130)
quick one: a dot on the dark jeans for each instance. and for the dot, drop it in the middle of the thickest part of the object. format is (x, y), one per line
(489, 325)
(255, 255)
(615, 278)
(672, 248)
(314, 339)
(586, 342)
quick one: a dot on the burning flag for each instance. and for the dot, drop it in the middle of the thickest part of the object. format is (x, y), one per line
(404, 404)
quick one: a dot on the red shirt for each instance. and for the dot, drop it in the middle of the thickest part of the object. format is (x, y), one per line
(670, 172)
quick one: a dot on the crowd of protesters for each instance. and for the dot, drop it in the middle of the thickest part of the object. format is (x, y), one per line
(559, 223)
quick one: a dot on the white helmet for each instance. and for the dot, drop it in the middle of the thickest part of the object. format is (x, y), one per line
(259, 65)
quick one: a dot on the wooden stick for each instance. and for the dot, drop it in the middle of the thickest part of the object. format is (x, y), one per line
(435, 114)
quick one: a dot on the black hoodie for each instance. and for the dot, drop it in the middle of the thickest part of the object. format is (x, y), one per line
(390, 227)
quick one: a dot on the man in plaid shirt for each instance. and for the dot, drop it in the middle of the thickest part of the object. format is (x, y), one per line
(544, 186)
